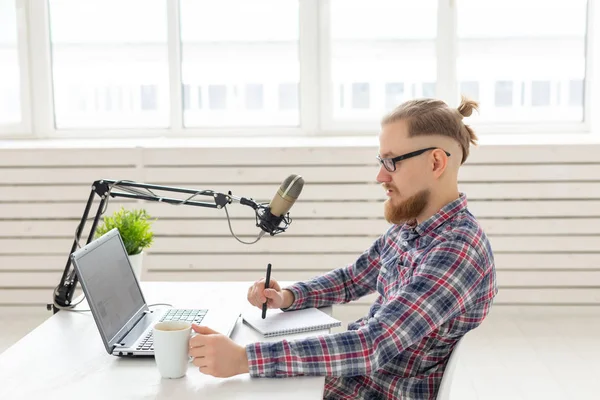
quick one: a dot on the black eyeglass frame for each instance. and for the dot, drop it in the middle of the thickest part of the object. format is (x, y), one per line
(394, 160)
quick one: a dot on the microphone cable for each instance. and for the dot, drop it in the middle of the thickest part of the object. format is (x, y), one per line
(260, 235)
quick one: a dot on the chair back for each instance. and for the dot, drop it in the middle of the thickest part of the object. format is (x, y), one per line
(446, 384)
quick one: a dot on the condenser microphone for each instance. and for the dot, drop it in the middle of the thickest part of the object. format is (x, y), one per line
(284, 199)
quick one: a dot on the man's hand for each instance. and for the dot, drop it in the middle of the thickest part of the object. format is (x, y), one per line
(274, 296)
(217, 355)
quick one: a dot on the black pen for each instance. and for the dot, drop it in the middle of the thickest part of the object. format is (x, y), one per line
(264, 309)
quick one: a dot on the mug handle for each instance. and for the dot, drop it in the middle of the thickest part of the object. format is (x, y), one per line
(192, 334)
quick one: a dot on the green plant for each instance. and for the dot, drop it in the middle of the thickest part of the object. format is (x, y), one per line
(134, 226)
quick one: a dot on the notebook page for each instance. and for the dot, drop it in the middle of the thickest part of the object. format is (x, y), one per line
(278, 322)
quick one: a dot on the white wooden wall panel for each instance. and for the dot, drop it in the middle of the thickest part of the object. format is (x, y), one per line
(307, 227)
(540, 206)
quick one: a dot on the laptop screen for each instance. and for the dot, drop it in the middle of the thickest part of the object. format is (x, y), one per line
(109, 284)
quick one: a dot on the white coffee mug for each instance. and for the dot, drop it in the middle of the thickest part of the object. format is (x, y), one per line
(171, 348)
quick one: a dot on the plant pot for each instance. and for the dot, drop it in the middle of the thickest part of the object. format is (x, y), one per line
(136, 264)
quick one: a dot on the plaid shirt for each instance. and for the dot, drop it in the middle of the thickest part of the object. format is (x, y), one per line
(436, 281)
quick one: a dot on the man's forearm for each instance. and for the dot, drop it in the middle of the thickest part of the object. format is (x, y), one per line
(335, 287)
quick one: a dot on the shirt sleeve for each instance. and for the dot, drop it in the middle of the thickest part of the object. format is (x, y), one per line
(444, 284)
(341, 285)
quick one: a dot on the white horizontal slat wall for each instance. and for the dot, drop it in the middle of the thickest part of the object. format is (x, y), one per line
(540, 206)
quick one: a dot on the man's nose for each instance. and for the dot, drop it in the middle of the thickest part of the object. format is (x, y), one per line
(383, 175)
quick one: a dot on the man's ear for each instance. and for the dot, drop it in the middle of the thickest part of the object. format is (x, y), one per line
(440, 162)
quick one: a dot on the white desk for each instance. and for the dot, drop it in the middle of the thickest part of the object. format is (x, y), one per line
(64, 358)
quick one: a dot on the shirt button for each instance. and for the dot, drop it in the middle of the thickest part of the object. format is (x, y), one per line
(405, 235)
(383, 270)
(405, 243)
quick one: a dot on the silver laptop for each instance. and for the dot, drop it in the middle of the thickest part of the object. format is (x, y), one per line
(114, 296)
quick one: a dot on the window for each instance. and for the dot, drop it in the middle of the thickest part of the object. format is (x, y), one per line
(101, 43)
(538, 42)
(374, 43)
(247, 51)
(111, 68)
(10, 89)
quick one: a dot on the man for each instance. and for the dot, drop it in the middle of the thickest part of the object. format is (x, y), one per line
(433, 269)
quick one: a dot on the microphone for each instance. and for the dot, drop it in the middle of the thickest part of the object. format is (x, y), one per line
(283, 200)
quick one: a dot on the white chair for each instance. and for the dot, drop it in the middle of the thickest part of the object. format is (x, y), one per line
(446, 384)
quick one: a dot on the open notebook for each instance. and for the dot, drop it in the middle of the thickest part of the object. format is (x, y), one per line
(279, 323)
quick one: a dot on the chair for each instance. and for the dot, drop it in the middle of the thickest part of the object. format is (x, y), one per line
(446, 384)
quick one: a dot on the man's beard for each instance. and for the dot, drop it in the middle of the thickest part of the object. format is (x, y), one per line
(408, 209)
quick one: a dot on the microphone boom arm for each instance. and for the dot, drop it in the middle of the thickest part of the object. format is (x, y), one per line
(105, 188)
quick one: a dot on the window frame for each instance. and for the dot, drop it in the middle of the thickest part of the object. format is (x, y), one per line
(24, 126)
(315, 95)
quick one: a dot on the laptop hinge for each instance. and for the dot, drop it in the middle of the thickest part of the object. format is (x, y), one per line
(140, 316)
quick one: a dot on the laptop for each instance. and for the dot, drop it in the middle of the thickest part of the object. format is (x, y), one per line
(117, 303)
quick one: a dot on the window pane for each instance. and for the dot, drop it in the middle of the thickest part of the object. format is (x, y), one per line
(540, 93)
(536, 45)
(254, 97)
(576, 93)
(186, 96)
(470, 89)
(361, 97)
(149, 97)
(428, 89)
(217, 97)
(243, 57)
(10, 88)
(200, 97)
(504, 94)
(394, 95)
(374, 44)
(288, 96)
(109, 64)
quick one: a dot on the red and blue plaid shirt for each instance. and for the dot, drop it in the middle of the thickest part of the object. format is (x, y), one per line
(436, 281)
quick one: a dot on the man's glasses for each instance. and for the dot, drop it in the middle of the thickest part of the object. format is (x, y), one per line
(390, 163)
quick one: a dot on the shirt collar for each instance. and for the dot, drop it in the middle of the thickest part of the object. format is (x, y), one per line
(444, 214)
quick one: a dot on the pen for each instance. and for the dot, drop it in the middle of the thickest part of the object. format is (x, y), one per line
(264, 309)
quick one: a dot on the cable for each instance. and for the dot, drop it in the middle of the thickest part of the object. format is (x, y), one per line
(237, 238)
(160, 304)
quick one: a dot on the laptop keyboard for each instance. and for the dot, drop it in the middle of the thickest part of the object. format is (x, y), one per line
(191, 316)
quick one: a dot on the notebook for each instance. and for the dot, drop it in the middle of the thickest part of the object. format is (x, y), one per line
(279, 323)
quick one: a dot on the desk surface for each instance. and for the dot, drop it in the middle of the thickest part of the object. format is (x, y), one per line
(64, 358)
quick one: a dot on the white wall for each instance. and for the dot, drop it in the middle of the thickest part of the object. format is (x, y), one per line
(540, 206)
